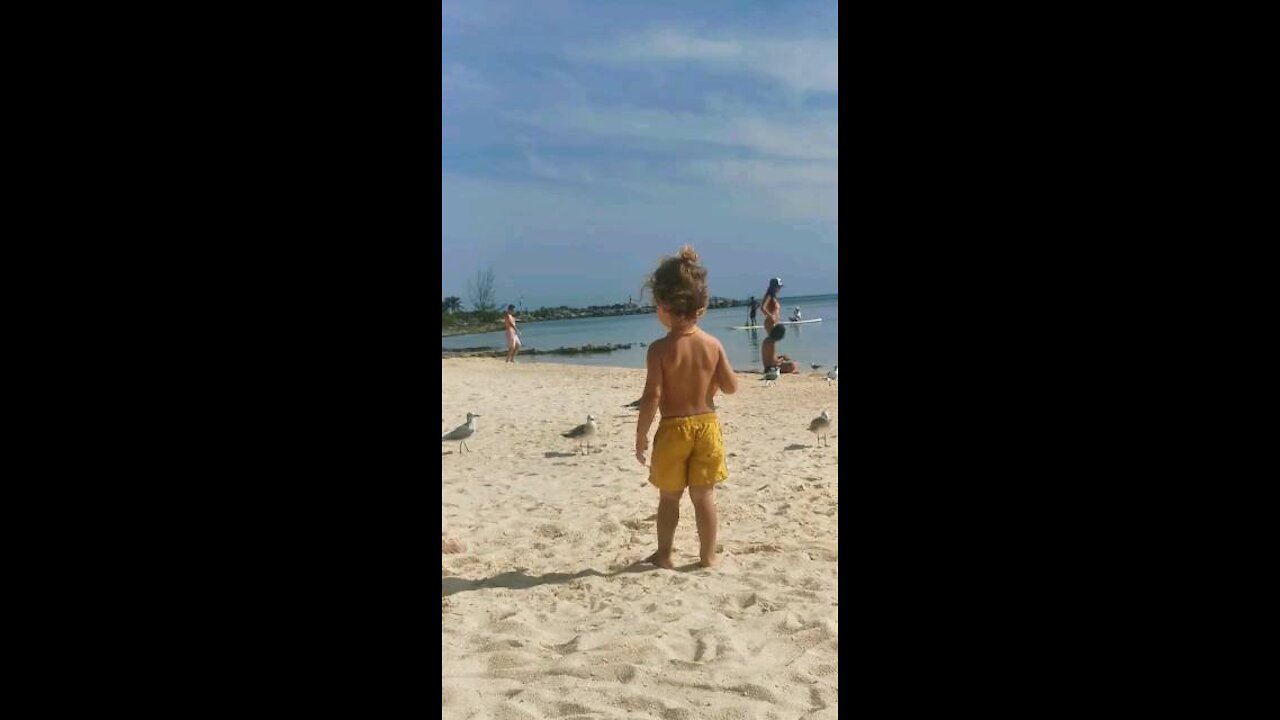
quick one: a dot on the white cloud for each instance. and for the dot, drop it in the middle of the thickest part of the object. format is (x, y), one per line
(791, 171)
(671, 45)
(804, 65)
(460, 79)
(461, 16)
(767, 174)
(813, 135)
(807, 191)
(818, 137)
(543, 168)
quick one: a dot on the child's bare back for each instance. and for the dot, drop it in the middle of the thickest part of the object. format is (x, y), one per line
(691, 367)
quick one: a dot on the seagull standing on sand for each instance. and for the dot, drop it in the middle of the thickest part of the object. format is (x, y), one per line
(583, 433)
(770, 376)
(462, 432)
(834, 374)
(820, 426)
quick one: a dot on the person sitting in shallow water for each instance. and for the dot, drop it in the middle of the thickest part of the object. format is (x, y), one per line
(782, 364)
(795, 315)
(768, 356)
(787, 365)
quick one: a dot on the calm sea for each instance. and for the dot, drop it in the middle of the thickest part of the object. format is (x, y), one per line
(811, 343)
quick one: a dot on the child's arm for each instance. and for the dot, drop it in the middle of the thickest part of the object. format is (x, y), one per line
(649, 400)
(725, 377)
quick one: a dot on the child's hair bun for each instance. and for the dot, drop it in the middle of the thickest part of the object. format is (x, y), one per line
(680, 284)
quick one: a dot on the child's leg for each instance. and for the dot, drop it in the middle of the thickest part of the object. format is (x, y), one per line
(668, 519)
(704, 509)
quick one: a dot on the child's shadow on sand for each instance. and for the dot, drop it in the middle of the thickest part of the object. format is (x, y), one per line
(518, 580)
(513, 580)
(556, 454)
(798, 446)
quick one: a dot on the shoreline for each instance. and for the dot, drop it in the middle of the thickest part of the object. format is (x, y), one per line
(488, 352)
(565, 313)
(499, 326)
(550, 358)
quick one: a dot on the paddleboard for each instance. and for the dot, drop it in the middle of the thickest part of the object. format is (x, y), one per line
(784, 322)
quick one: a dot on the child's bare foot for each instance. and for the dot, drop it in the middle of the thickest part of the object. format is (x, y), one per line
(663, 562)
(451, 546)
(709, 562)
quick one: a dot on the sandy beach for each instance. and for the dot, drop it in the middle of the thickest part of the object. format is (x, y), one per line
(548, 613)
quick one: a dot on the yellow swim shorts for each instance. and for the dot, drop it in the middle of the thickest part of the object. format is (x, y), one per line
(687, 451)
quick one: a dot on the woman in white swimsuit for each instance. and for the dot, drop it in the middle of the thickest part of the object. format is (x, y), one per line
(513, 337)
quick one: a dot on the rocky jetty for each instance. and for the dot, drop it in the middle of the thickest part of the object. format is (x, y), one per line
(492, 352)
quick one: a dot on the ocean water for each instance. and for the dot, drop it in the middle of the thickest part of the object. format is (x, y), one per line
(810, 343)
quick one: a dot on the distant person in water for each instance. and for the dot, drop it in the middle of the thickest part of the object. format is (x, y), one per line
(513, 337)
(755, 305)
(795, 315)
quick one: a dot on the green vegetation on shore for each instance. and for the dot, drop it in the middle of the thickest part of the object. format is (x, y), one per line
(450, 326)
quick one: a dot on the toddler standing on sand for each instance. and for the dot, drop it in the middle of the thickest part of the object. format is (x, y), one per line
(685, 369)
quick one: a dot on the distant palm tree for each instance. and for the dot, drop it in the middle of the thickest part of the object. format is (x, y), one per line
(451, 305)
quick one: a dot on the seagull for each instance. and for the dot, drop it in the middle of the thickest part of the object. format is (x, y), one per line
(770, 376)
(583, 433)
(462, 432)
(834, 374)
(820, 426)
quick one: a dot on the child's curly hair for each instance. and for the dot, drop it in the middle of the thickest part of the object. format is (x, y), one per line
(680, 284)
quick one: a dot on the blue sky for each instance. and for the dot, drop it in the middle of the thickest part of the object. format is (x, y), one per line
(582, 141)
